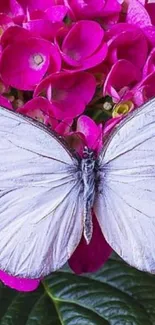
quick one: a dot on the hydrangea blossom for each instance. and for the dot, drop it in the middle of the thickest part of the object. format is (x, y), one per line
(77, 66)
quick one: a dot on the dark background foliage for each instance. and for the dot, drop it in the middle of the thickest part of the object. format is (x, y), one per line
(115, 295)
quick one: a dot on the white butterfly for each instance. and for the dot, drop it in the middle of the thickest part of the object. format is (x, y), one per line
(47, 192)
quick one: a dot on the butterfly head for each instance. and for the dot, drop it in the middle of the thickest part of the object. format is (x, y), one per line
(88, 153)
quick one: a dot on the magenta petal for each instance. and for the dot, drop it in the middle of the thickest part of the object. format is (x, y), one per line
(127, 42)
(63, 128)
(145, 90)
(150, 7)
(56, 13)
(19, 284)
(39, 108)
(23, 64)
(97, 58)
(5, 23)
(11, 8)
(85, 9)
(122, 75)
(91, 131)
(111, 7)
(137, 14)
(109, 125)
(89, 35)
(89, 258)
(69, 92)
(32, 5)
(150, 64)
(14, 34)
(43, 28)
(149, 32)
(55, 59)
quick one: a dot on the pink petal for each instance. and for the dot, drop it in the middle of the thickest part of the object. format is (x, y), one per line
(111, 7)
(70, 92)
(91, 131)
(36, 14)
(23, 64)
(5, 23)
(55, 59)
(63, 128)
(85, 9)
(19, 284)
(16, 9)
(89, 258)
(43, 28)
(110, 124)
(88, 63)
(137, 14)
(150, 64)
(14, 34)
(127, 42)
(11, 8)
(149, 32)
(56, 13)
(39, 108)
(77, 141)
(89, 35)
(123, 74)
(32, 5)
(150, 7)
(145, 90)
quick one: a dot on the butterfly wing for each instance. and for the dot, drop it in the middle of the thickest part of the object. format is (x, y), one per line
(41, 201)
(125, 202)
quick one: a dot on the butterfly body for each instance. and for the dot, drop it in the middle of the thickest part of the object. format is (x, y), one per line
(88, 164)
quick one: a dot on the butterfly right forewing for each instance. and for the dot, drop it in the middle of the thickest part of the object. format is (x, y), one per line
(125, 200)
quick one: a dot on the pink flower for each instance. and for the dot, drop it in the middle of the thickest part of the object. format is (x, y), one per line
(89, 258)
(121, 78)
(127, 42)
(45, 24)
(19, 284)
(91, 9)
(137, 14)
(5, 22)
(56, 13)
(41, 109)
(24, 63)
(68, 92)
(14, 34)
(83, 46)
(31, 5)
(13, 9)
(150, 64)
(38, 108)
(150, 7)
(144, 90)
(110, 124)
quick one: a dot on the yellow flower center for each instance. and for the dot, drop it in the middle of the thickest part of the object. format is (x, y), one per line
(122, 108)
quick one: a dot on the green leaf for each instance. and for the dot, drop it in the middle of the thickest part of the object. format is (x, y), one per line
(115, 295)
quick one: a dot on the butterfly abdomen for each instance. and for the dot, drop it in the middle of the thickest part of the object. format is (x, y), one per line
(88, 177)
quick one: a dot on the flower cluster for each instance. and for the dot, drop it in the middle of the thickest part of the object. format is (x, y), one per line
(77, 66)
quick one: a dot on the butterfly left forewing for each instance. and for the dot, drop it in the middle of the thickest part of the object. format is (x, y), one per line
(125, 201)
(40, 199)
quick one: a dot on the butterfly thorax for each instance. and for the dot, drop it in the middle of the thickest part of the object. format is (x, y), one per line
(88, 176)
